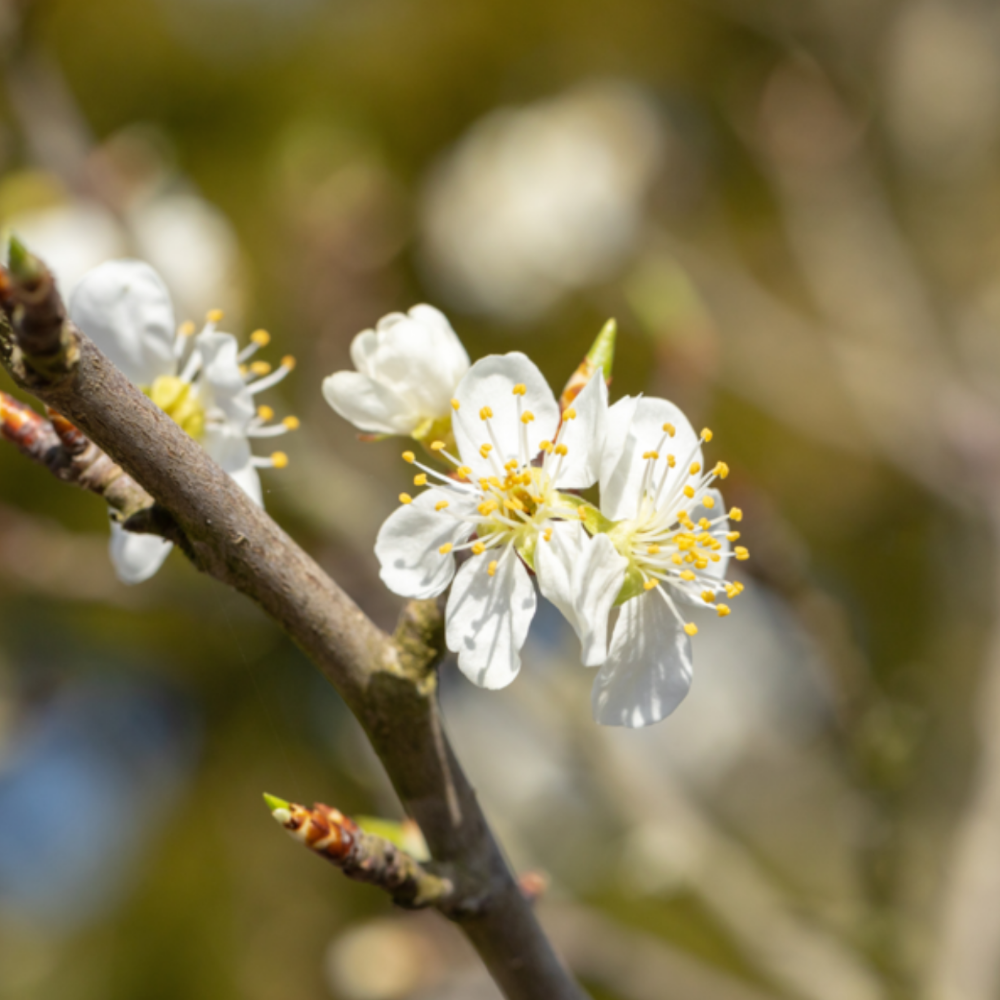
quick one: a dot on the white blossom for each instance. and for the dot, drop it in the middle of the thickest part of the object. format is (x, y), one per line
(408, 368)
(202, 381)
(497, 505)
(660, 544)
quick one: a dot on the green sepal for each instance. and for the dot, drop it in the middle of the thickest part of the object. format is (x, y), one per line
(632, 587)
(21, 262)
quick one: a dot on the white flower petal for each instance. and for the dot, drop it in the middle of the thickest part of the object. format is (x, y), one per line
(584, 436)
(124, 307)
(648, 670)
(490, 382)
(409, 542)
(622, 464)
(136, 557)
(582, 577)
(368, 405)
(228, 446)
(487, 618)
(221, 384)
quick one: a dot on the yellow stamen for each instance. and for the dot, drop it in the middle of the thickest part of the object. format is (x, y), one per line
(706, 434)
(485, 450)
(279, 459)
(736, 514)
(478, 549)
(687, 575)
(708, 502)
(291, 422)
(691, 628)
(520, 389)
(548, 534)
(455, 404)
(651, 584)
(677, 559)
(446, 548)
(689, 492)
(405, 498)
(561, 449)
(441, 504)
(654, 455)
(653, 549)
(260, 367)
(435, 446)
(261, 338)
(723, 610)
(695, 469)
(492, 568)
(707, 596)
(741, 553)
(288, 362)
(671, 461)
(669, 430)
(732, 536)
(420, 480)
(408, 456)
(265, 413)
(214, 316)
(463, 472)
(527, 417)
(570, 414)
(485, 413)
(721, 470)
(186, 329)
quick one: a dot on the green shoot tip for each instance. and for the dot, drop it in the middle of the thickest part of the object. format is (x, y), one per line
(602, 353)
(274, 803)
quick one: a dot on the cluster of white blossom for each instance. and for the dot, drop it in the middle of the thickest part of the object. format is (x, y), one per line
(504, 471)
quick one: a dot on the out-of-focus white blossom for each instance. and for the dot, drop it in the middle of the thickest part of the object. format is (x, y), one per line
(533, 202)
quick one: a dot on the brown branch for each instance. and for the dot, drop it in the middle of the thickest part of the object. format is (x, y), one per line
(388, 684)
(361, 855)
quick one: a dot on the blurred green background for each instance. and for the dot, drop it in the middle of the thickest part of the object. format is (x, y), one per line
(793, 211)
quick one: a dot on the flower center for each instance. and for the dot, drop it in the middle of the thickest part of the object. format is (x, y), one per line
(178, 401)
(515, 507)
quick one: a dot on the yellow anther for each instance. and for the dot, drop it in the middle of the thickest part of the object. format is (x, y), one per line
(527, 417)
(581, 512)
(265, 413)
(291, 422)
(708, 501)
(706, 434)
(669, 430)
(261, 338)
(570, 414)
(671, 461)
(689, 492)
(545, 446)
(723, 610)
(260, 367)
(701, 564)
(736, 514)
(288, 362)
(478, 549)
(186, 329)
(677, 559)
(455, 404)
(494, 482)
(520, 389)
(654, 455)
(653, 549)
(512, 503)
(650, 584)
(741, 553)
(405, 498)
(244, 371)
(492, 568)
(463, 472)
(420, 480)
(446, 548)
(214, 316)
(408, 456)
(704, 524)
(548, 534)
(435, 446)
(561, 449)
(279, 459)
(739, 586)
(695, 468)
(511, 465)
(485, 413)
(714, 557)
(487, 507)
(732, 536)
(721, 470)
(687, 575)
(708, 596)
(441, 504)
(485, 450)
(691, 628)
